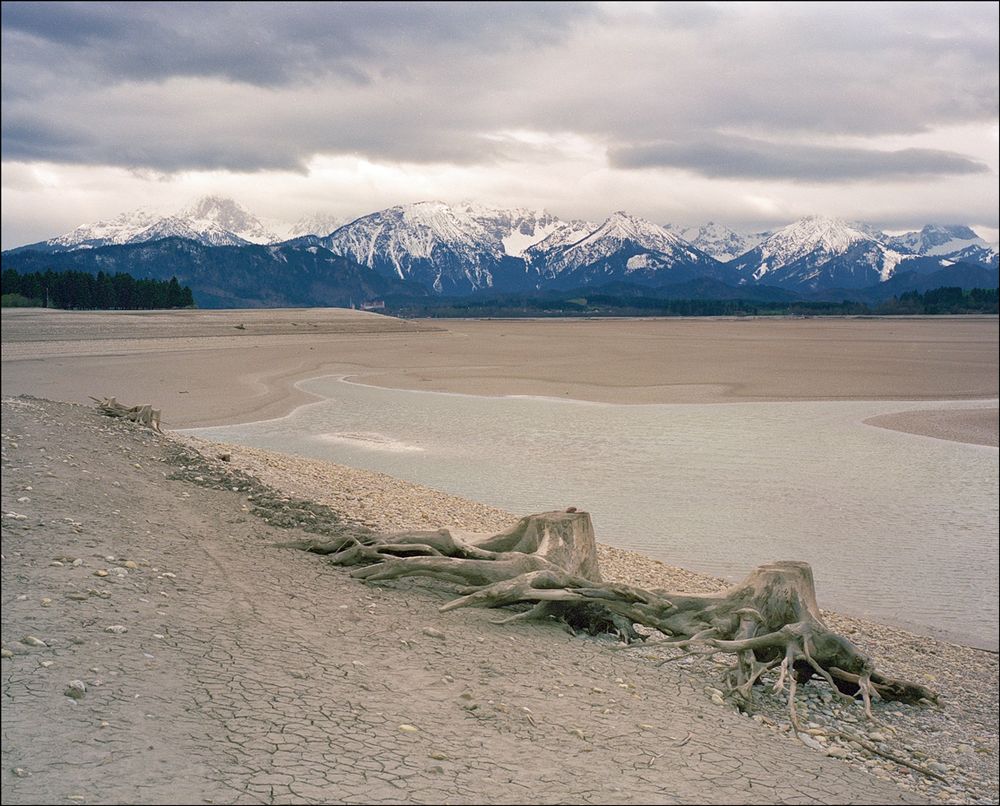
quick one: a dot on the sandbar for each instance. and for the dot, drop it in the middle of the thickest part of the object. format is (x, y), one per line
(223, 367)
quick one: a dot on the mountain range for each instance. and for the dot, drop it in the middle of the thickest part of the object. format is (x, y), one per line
(231, 257)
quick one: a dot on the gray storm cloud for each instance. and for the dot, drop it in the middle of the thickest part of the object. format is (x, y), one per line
(150, 85)
(738, 157)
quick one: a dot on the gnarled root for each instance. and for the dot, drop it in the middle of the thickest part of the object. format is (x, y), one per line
(549, 561)
(144, 415)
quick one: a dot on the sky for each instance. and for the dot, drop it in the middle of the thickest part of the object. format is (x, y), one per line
(749, 114)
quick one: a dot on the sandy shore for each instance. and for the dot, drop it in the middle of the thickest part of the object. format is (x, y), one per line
(159, 648)
(200, 368)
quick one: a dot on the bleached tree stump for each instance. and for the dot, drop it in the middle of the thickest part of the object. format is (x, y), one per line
(144, 414)
(769, 621)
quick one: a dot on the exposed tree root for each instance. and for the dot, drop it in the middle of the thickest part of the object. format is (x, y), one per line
(549, 561)
(144, 415)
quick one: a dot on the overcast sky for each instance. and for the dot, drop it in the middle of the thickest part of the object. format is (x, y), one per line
(744, 113)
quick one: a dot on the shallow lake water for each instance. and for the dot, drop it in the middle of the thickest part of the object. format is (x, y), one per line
(897, 527)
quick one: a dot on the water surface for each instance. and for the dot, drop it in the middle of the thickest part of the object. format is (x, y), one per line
(897, 527)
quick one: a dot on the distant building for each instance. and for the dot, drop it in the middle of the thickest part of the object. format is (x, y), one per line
(373, 305)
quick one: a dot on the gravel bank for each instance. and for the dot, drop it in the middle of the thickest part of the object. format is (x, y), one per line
(959, 741)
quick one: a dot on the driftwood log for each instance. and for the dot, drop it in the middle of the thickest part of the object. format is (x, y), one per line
(144, 415)
(769, 621)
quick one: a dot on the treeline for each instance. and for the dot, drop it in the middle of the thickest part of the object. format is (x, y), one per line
(77, 290)
(936, 301)
(943, 300)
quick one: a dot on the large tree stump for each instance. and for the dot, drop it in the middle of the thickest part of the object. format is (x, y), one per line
(769, 621)
(143, 414)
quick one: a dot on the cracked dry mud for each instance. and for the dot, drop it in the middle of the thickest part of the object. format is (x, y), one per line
(248, 673)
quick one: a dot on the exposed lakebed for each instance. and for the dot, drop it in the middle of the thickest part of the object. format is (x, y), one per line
(898, 527)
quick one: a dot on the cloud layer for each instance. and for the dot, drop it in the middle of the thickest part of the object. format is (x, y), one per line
(795, 94)
(742, 157)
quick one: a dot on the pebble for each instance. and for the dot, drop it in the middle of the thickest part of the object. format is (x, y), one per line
(408, 728)
(32, 640)
(117, 629)
(434, 633)
(100, 573)
(809, 741)
(838, 752)
(75, 689)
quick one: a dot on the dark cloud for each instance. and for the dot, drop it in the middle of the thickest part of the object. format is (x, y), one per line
(743, 158)
(268, 44)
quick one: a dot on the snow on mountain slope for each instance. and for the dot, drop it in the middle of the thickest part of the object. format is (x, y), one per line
(459, 249)
(212, 220)
(446, 249)
(718, 240)
(566, 233)
(211, 215)
(980, 254)
(208, 233)
(817, 252)
(321, 224)
(118, 230)
(517, 228)
(623, 231)
(935, 239)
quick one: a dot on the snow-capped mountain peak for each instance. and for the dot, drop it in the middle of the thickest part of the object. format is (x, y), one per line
(211, 220)
(517, 228)
(565, 233)
(830, 235)
(619, 228)
(211, 214)
(936, 239)
(444, 248)
(721, 242)
(318, 223)
(623, 245)
(818, 250)
(117, 230)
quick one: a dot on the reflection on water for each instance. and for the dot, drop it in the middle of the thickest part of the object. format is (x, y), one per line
(897, 527)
